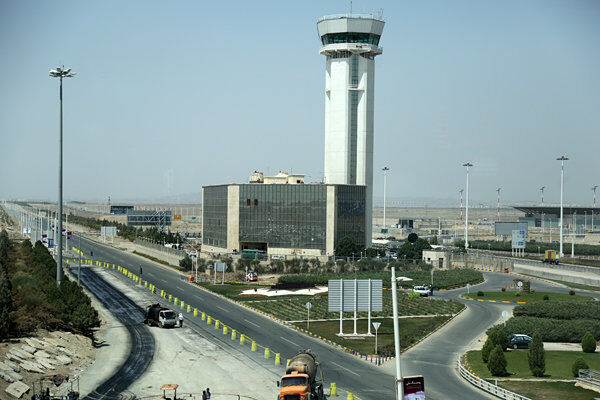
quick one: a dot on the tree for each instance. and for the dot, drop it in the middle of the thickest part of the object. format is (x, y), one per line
(487, 348)
(5, 303)
(412, 237)
(588, 343)
(346, 247)
(500, 337)
(186, 263)
(537, 356)
(577, 365)
(497, 363)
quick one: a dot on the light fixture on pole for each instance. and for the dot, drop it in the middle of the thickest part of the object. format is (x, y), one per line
(498, 190)
(562, 160)
(60, 72)
(468, 165)
(594, 190)
(385, 170)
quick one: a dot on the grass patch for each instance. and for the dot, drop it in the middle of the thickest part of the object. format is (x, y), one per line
(231, 290)
(548, 390)
(411, 330)
(157, 260)
(570, 284)
(558, 363)
(510, 295)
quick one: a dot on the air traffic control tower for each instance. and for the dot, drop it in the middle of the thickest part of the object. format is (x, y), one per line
(350, 42)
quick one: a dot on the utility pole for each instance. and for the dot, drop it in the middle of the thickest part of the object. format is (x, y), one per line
(385, 170)
(399, 386)
(562, 160)
(542, 190)
(468, 165)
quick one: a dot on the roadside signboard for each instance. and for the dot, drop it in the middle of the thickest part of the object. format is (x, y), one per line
(220, 267)
(518, 239)
(108, 231)
(414, 388)
(355, 294)
(50, 243)
(176, 216)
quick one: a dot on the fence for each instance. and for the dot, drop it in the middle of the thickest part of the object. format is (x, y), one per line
(589, 377)
(488, 386)
(159, 247)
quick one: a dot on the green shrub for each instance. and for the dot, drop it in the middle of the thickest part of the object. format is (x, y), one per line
(500, 337)
(537, 356)
(497, 362)
(503, 289)
(560, 310)
(480, 293)
(553, 330)
(588, 343)
(577, 365)
(571, 293)
(546, 297)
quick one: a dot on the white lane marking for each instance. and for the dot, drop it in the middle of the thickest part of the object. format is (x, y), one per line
(224, 309)
(289, 341)
(179, 287)
(344, 368)
(250, 322)
(198, 297)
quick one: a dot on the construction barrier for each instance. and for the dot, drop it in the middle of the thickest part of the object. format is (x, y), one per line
(209, 320)
(195, 312)
(225, 330)
(277, 359)
(350, 396)
(203, 316)
(333, 390)
(267, 353)
(242, 339)
(254, 347)
(189, 308)
(233, 334)
(217, 324)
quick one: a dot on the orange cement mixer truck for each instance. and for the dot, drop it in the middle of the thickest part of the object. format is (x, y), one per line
(303, 379)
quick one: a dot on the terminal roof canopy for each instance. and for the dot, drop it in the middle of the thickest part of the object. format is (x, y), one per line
(555, 210)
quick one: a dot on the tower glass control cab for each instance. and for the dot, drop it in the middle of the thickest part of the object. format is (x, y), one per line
(350, 42)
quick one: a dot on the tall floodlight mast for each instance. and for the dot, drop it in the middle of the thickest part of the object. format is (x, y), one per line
(498, 191)
(594, 190)
(60, 73)
(468, 165)
(350, 42)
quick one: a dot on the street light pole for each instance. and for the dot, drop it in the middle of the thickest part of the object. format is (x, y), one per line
(468, 165)
(562, 160)
(60, 73)
(594, 190)
(542, 190)
(498, 190)
(385, 170)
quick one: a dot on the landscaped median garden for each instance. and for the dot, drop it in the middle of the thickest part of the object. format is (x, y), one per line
(514, 296)
(419, 315)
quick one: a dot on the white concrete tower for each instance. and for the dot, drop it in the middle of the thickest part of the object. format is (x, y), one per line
(350, 42)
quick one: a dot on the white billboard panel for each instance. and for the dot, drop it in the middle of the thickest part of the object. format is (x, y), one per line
(355, 294)
(518, 239)
(108, 231)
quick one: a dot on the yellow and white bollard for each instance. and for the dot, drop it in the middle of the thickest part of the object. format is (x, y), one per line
(175, 301)
(254, 347)
(333, 390)
(267, 353)
(287, 364)
(350, 396)
(242, 339)
(209, 320)
(203, 316)
(182, 304)
(277, 359)
(170, 298)
(217, 324)
(225, 329)
(233, 334)
(189, 309)
(195, 312)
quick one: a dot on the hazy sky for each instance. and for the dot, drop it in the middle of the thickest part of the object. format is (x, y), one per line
(208, 92)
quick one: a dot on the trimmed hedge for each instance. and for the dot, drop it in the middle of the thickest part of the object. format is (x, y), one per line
(553, 330)
(566, 310)
(443, 279)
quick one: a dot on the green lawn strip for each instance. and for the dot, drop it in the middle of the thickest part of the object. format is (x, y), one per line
(510, 295)
(292, 308)
(157, 260)
(548, 390)
(411, 330)
(569, 284)
(558, 363)
(230, 290)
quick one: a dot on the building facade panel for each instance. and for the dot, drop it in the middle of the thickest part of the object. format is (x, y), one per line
(214, 216)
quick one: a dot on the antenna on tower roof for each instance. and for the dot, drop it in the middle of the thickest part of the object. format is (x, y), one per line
(380, 14)
(350, 7)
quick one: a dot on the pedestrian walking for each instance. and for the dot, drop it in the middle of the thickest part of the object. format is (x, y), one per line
(140, 271)
(180, 317)
(207, 393)
(204, 395)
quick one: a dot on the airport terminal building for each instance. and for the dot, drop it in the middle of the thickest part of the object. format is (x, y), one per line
(283, 219)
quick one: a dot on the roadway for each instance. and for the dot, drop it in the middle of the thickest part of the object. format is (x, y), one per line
(435, 358)
(142, 344)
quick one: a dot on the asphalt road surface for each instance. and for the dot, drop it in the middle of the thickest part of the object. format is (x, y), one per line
(435, 358)
(142, 341)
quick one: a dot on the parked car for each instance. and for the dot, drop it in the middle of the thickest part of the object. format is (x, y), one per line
(422, 291)
(519, 341)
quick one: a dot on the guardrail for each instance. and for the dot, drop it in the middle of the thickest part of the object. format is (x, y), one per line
(488, 386)
(589, 377)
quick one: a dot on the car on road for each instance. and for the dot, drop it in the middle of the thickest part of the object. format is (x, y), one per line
(422, 291)
(519, 341)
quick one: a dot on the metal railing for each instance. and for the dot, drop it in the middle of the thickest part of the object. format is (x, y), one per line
(488, 386)
(589, 377)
